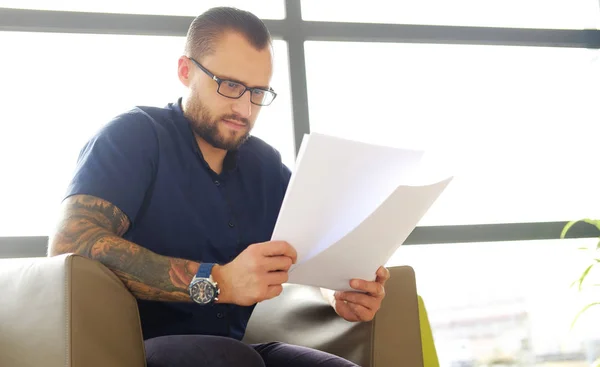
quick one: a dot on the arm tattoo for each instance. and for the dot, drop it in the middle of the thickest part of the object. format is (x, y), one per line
(93, 227)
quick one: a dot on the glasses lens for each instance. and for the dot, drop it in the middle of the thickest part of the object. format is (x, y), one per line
(231, 89)
(262, 97)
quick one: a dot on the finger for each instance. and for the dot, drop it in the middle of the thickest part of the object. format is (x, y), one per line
(383, 274)
(361, 312)
(345, 311)
(373, 288)
(275, 263)
(277, 277)
(279, 248)
(366, 300)
(274, 291)
(362, 299)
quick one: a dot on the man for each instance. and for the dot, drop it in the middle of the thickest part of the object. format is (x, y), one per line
(180, 202)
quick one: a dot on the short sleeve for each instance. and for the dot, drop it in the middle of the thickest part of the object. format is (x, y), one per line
(118, 163)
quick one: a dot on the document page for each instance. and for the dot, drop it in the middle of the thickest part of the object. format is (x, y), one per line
(349, 206)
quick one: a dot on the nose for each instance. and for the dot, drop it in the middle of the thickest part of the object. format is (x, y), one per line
(242, 106)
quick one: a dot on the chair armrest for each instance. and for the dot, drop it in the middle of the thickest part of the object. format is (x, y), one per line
(67, 311)
(397, 331)
(301, 316)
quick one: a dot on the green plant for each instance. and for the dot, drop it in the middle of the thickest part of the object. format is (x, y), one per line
(594, 259)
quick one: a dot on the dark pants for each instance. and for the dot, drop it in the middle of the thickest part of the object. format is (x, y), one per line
(215, 351)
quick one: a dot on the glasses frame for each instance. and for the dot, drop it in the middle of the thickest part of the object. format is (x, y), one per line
(246, 88)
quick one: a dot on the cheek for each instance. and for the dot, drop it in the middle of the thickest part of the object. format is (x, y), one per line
(205, 94)
(211, 102)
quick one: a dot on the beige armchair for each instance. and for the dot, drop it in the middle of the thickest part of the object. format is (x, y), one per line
(72, 311)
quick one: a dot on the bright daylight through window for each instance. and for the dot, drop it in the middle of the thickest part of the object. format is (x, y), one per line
(506, 303)
(550, 14)
(516, 123)
(266, 9)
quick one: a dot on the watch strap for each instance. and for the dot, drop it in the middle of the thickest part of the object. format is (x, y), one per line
(205, 270)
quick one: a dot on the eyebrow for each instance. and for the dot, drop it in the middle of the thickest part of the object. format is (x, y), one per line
(241, 82)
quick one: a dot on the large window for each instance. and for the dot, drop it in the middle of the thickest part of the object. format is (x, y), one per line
(515, 124)
(506, 304)
(266, 9)
(58, 89)
(570, 14)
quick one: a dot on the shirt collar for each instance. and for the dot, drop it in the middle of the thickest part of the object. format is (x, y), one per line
(184, 125)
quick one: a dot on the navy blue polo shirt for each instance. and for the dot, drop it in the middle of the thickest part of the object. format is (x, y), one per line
(147, 163)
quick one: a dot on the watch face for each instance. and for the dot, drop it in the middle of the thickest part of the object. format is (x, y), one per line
(203, 292)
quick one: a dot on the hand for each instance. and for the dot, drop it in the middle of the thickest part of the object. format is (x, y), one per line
(356, 306)
(255, 275)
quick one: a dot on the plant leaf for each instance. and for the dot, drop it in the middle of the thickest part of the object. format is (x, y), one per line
(582, 277)
(582, 311)
(567, 227)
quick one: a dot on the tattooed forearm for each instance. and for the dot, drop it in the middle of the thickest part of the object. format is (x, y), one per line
(92, 227)
(146, 274)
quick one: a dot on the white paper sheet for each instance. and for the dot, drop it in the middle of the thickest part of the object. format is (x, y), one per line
(349, 206)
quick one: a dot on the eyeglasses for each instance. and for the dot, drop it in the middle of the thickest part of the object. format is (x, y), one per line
(233, 89)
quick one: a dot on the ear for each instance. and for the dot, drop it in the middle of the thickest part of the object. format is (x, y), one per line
(183, 70)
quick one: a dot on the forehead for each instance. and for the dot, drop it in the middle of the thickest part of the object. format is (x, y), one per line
(234, 57)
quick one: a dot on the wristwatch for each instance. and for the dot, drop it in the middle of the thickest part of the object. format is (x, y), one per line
(203, 289)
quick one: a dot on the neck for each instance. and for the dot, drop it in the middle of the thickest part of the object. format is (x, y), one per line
(213, 156)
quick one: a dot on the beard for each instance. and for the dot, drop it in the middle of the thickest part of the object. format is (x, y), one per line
(207, 127)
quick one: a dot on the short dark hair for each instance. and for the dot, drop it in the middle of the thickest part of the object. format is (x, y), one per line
(207, 27)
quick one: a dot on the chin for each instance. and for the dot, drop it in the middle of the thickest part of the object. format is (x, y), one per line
(234, 137)
(232, 143)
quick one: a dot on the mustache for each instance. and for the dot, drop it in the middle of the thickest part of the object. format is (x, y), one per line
(242, 120)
